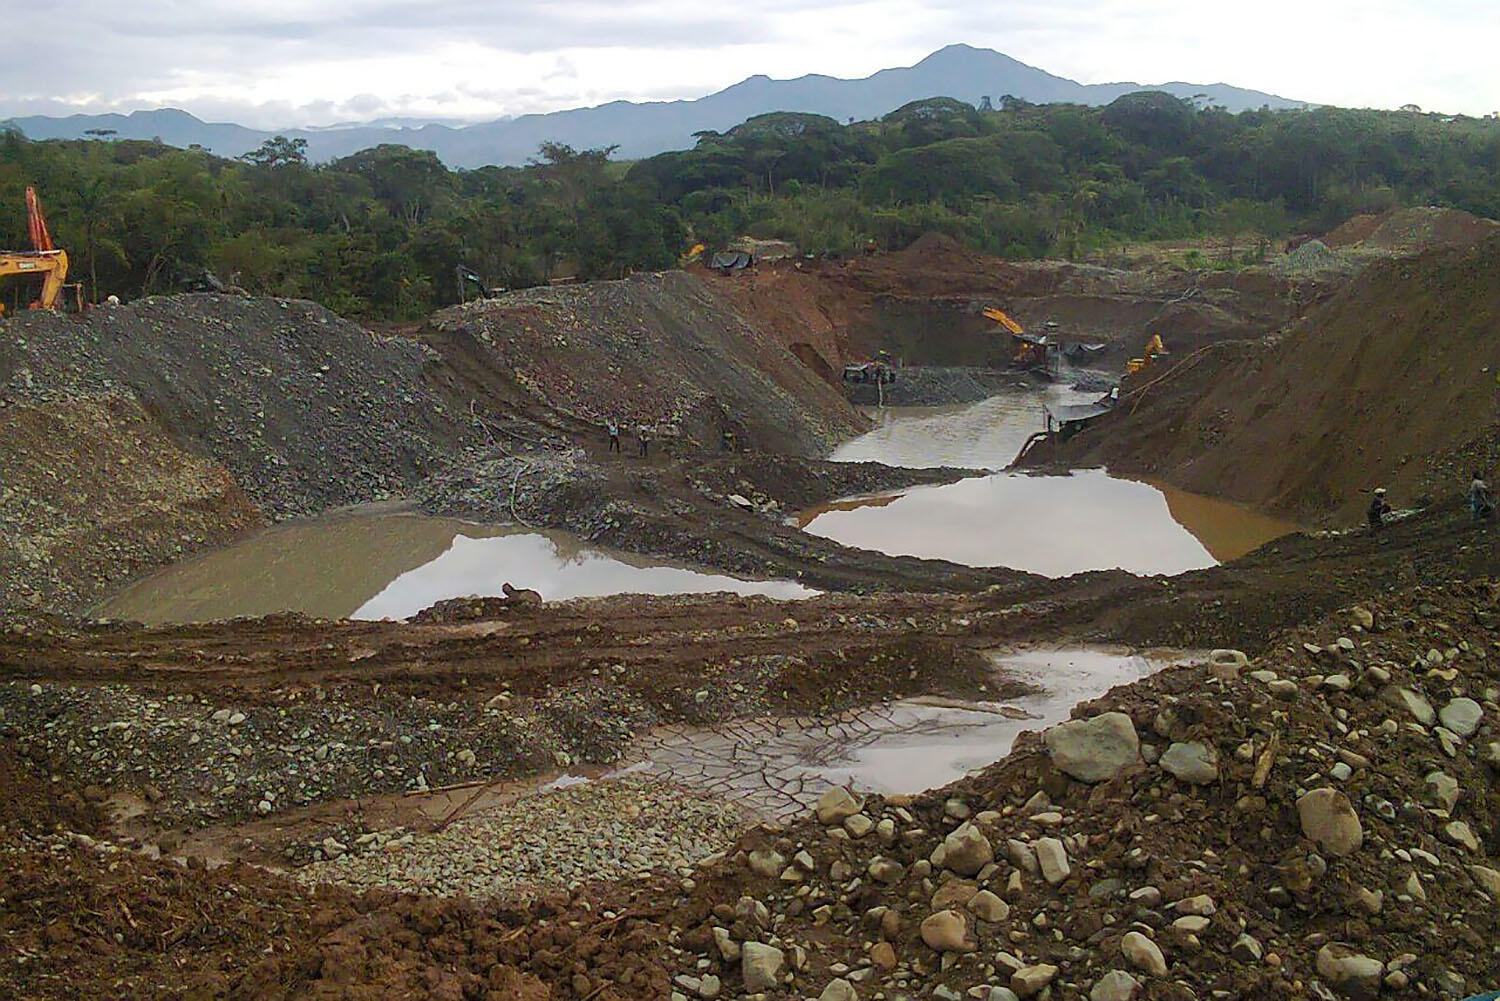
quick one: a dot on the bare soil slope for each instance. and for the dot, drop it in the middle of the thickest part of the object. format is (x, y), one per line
(926, 305)
(1391, 383)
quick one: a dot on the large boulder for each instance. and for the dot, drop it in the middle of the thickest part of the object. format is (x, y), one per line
(1094, 750)
(1462, 716)
(1328, 818)
(1191, 762)
(967, 850)
(761, 965)
(1349, 973)
(948, 931)
(1143, 954)
(1116, 985)
(837, 805)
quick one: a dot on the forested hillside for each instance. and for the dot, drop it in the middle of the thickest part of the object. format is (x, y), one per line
(380, 233)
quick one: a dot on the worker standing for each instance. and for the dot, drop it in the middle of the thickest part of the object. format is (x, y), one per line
(645, 440)
(1378, 510)
(613, 427)
(1481, 504)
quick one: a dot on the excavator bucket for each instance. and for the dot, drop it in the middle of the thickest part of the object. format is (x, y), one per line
(1004, 321)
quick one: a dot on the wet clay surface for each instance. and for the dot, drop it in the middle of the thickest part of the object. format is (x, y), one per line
(780, 766)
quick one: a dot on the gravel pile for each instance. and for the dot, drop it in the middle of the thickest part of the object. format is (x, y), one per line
(307, 410)
(1320, 822)
(556, 838)
(198, 760)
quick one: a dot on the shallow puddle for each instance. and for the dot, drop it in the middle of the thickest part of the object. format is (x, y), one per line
(1051, 525)
(393, 566)
(782, 766)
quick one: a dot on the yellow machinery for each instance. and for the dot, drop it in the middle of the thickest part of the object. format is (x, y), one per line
(1004, 321)
(1154, 350)
(1032, 351)
(44, 260)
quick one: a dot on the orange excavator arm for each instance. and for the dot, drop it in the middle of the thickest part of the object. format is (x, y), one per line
(1005, 321)
(36, 224)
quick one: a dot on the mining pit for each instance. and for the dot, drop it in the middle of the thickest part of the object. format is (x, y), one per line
(813, 700)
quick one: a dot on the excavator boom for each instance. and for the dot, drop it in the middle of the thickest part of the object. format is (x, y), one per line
(1005, 321)
(36, 224)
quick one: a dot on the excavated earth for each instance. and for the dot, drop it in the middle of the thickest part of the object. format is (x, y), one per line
(926, 305)
(1392, 382)
(450, 807)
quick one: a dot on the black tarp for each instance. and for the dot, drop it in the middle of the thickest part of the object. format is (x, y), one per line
(726, 261)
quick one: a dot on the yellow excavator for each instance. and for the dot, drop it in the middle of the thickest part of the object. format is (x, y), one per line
(1154, 350)
(44, 260)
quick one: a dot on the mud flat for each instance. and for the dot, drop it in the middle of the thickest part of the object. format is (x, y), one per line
(781, 766)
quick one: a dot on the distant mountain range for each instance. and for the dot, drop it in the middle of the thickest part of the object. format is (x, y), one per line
(640, 130)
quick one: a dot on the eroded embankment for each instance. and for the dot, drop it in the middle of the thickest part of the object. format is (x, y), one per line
(1392, 383)
(656, 350)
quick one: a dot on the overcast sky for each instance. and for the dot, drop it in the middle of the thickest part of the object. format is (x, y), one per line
(293, 62)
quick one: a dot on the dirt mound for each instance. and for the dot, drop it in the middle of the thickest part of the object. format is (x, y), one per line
(1392, 382)
(935, 266)
(1225, 832)
(659, 350)
(85, 921)
(29, 807)
(1413, 230)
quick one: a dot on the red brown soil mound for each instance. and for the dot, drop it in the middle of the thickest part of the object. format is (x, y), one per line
(28, 804)
(1392, 382)
(1410, 231)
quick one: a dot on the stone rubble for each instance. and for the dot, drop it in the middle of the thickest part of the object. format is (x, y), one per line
(1197, 836)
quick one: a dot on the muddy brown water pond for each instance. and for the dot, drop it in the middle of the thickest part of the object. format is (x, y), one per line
(377, 566)
(1051, 525)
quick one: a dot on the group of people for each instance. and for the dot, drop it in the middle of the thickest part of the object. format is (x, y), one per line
(1481, 503)
(642, 433)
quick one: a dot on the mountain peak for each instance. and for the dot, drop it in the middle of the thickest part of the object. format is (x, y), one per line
(959, 71)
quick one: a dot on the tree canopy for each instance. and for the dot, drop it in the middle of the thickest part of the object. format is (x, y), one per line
(382, 232)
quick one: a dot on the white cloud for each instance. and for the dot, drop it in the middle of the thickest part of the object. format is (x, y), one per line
(289, 62)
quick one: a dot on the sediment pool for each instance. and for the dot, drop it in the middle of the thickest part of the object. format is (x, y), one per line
(395, 565)
(1054, 525)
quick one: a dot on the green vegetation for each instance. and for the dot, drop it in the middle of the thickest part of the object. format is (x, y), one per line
(380, 233)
